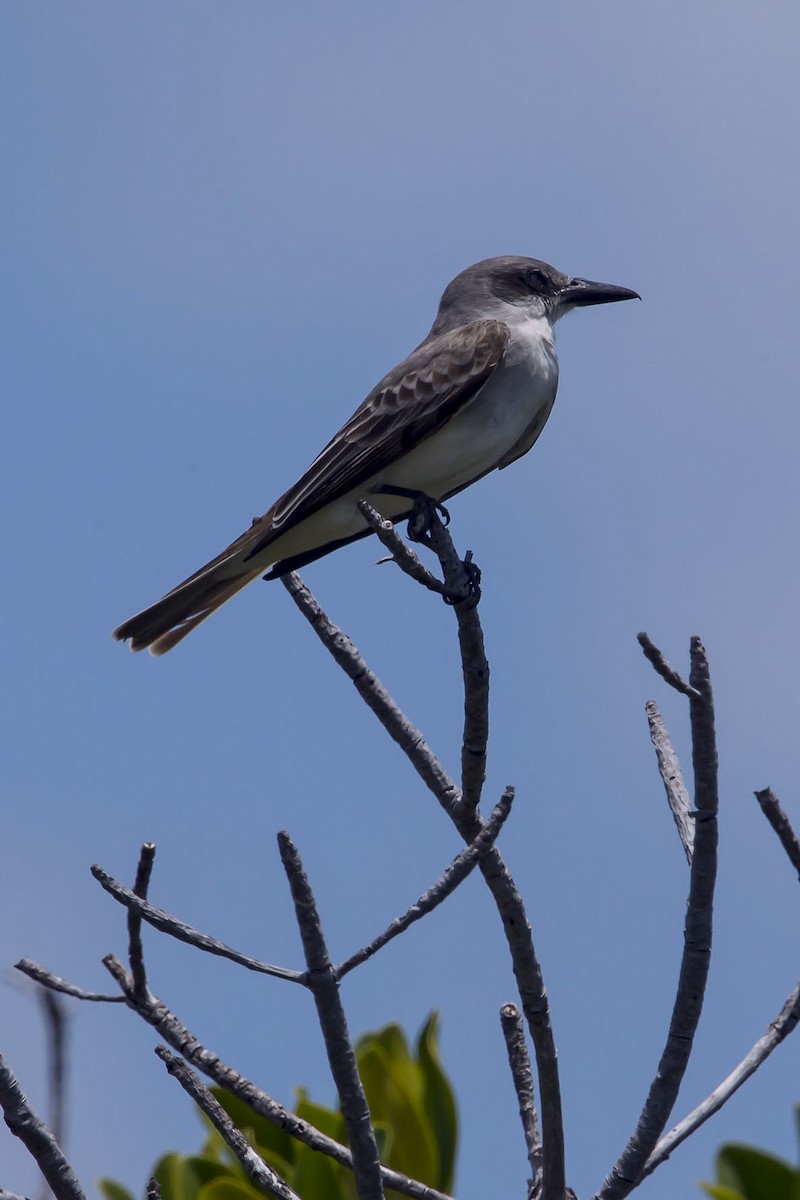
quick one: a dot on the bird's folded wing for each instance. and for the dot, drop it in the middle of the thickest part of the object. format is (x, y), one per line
(408, 405)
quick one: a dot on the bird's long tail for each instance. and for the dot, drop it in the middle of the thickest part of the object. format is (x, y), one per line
(169, 620)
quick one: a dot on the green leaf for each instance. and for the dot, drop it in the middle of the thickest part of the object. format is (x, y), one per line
(230, 1189)
(721, 1193)
(439, 1101)
(264, 1135)
(394, 1092)
(111, 1190)
(758, 1176)
(181, 1176)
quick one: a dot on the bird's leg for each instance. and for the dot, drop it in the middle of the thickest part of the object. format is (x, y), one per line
(423, 519)
(423, 512)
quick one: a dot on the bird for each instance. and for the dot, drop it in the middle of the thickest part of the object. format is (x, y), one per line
(472, 397)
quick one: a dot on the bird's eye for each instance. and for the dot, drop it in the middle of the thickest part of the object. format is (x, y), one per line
(535, 279)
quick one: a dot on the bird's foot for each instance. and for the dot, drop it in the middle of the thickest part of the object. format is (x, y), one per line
(422, 515)
(472, 584)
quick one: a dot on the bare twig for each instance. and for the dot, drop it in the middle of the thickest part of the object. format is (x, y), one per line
(257, 1170)
(135, 951)
(56, 1016)
(185, 933)
(781, 824)
(461, 578)
(462, 865)
(4, 1195)
(784, 1024)
(374, 694)
(401, 552)
(153, 1191)
(667, 673)
(35, 971)
(527, 970)
(37, 1138)
(475, 667)
(670, 772)
(521, 1074)
(475, 670)
(167, 1025)
(663, 1093)
(321, 981)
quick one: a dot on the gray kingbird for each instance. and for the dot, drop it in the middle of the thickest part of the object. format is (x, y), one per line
(474, 395)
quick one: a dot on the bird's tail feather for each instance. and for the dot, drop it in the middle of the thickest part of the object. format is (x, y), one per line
(169, 620)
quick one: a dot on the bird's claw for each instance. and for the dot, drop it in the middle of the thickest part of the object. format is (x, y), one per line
(472, 592)
(423, 514)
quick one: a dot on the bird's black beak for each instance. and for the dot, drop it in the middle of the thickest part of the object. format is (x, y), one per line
(584, 291)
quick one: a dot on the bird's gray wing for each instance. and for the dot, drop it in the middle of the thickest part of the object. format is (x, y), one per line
(408, 405)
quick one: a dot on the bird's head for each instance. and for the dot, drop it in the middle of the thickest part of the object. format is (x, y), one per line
(490, 286)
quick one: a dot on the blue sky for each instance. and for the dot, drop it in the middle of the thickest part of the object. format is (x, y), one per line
(222, 224)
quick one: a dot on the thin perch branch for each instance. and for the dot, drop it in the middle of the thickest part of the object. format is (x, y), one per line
(56, 1016)
(135, 950)
(375, 695)
(37, 1138)
(779, 1029)
(458, 582)
(522, 1076)
(185, 933)
(695, 961)
(667, 673)
(781, 824)
(462, 866)
(36, 971)
(167, 1025)
(670, 772)
(527, 970)
(257, 1170)
(401, 553)
(333, 1024)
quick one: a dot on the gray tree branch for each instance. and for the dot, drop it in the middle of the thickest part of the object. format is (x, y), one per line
(627, 1172)
(522, 1077)
(182, 932)
(36, 1137)
(252, 1162)
(322, 982)
(527, 970)
(670, 772)
(462, 866)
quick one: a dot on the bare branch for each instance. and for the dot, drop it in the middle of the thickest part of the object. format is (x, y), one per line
(35, 971)
(458, 584)
(135, 950)
(321, 980)
(686, 1011)
(670, 772)
(56, 1016)
(667, 673)
(401, 552)
(462, 865)
(37, 1138)
(185, 933)
(521, 1074)
(4, 1195)
(781, 824)
(257, 1170)
(153, 1189)
(461, 579)
(167, 1025)
(475, 670)
(784, 1024)
(374, 694)
(527, 970)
